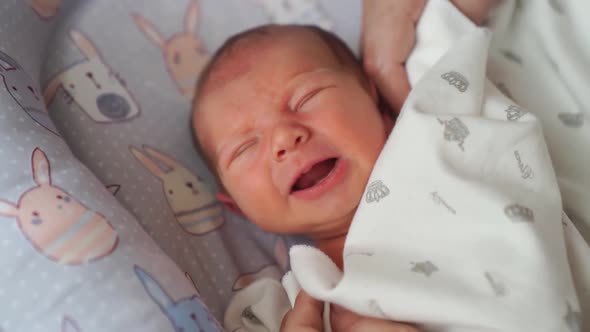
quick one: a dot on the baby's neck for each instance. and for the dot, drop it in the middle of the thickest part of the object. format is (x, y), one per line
(333, 247)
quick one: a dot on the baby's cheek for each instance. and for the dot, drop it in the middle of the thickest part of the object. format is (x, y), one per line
(254, 202)
(238, 193)
(248, 187)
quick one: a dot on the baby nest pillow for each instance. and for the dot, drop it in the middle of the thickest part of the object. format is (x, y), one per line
(109, 220)
(118, 81)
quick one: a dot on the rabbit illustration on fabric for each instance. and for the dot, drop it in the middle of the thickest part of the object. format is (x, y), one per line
(189, 278)
(57, 225)
(187, 314)
(273, 271)
(184, 52)
(296, 11)
(46, 9)
(195, 208)
(22, 89)
(113, 188)
(93, 85)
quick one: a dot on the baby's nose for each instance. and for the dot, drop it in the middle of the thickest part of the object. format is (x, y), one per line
(287, 138)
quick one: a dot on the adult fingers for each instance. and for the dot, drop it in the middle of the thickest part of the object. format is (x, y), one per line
(344, 320)
(387, 40)
(306, 315)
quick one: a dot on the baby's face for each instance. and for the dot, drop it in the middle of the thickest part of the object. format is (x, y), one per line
(293, 135)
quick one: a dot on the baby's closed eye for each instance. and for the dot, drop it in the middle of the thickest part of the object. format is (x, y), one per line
(307, 96)
(244, 147)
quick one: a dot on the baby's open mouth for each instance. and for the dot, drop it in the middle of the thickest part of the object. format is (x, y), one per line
(315, 175)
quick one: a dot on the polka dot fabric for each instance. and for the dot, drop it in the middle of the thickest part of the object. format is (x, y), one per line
(108, 219)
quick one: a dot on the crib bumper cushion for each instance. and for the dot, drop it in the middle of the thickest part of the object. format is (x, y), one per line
(108, 218)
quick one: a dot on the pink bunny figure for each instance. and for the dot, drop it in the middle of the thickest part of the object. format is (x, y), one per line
(184, 53)
(57, 225)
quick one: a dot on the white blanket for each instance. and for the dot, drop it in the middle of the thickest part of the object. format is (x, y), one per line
(461, 226)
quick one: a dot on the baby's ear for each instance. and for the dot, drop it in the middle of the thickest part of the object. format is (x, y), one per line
(388, 122)
(372, 89)
(387, 112)
(229, 203)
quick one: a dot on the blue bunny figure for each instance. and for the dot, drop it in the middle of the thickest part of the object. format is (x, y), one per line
(22, 89)
(186, 315)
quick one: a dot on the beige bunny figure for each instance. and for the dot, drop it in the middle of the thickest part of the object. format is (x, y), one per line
(195, 208)
(56, 224)
(46, 9)
(274, 271)
(93, 85)
(184, 53)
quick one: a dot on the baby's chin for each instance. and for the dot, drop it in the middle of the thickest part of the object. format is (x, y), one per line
(318, 226)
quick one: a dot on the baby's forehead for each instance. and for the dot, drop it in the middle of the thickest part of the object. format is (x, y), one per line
(254, 48)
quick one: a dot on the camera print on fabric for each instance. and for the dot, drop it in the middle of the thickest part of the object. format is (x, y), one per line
(22, 89)
(184, 53)
(57, 225)
(195, 208)
(455, 131)
(426, 268)
(519, 213)
(514, 113)
(376, 191)
(572, 120)
(187, 314)
(296, 11)
(93, 86)
(45, 9)
(273, 271)
(457, 80)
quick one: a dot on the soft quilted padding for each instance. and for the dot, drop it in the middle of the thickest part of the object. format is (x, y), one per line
(108, 219)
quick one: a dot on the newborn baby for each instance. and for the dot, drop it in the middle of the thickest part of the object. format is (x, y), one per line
(291, 126)
(441, 228)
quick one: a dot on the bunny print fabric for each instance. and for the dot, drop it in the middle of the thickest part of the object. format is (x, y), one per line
(107, 213)
(56, 224)
(123, 105)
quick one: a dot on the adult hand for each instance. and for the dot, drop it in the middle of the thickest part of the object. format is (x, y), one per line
(388, 37)
(476, 10)
(306, 316)
(343, 320)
